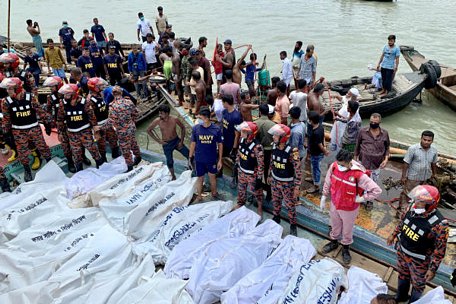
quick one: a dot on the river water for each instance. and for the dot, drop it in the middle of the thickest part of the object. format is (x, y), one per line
(347, 34)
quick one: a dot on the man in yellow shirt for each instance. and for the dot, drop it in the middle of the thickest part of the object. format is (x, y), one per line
(55, 60)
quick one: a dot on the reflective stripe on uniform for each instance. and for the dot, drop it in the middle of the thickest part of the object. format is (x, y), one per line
(282, 179)
(25, 127)
(100, 123)
(412, 254)
(79, 129)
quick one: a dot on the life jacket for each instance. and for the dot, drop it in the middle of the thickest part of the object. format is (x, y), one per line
(100, 108)
(282, 168)
(23, 115)
(414, 237)
(247, 159)
(344, 187)
(76, 117)
(55, 104)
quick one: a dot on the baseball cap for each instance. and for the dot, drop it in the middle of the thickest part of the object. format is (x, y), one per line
(112, 47)
(194, 52)
(64, 22)
(271, 109)
(354, 91)
(204, 111)
(228, 41)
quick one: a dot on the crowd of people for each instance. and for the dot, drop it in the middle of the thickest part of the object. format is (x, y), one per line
(278, 154)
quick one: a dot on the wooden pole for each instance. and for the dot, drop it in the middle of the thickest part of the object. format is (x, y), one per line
(9, 25)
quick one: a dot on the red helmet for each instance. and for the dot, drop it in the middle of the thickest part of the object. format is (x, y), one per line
(10, 58)
(70, 88)
(96, 84)
(53, 81)
(426, 194)
(282, 131)
(250, 128)
(12, 82)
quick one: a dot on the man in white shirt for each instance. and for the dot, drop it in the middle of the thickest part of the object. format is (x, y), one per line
(150, 48)
(299, 99)
(143, 27)
(287, 70)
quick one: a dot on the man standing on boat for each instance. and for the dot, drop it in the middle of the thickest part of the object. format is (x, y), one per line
(66, 34)
(34, 30)
(206, 152)
(388, 63)
(143, 27)
(250, 160)
(55, 60)
(287, 70)
(20, 111)
(284, 175)
(420, 165)
(113, 65)
(308, 68)
(349, 185)
(421, 238)
(161, 21)
(99, 34)
(231, 119)
(169, 140)
(76, 117)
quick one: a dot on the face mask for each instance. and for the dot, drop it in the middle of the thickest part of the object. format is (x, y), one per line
(199, 121)
(374, 125)
(342, 168)
(142, 18)
(65, 25)
(419, 210)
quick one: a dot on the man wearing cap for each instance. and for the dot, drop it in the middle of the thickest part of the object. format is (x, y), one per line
(116, 44)
(113, 65)
(229, 59)
(264, 124)
(143, 27)
(66, 34)
(206, 152)
(161, 21)
(150, 49)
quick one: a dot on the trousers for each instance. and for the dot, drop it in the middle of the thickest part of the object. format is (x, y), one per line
(34, 137)
(246, 182)
(284, 191)
(80, 140)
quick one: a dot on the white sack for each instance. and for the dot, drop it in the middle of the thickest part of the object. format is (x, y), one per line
(84, 181)
(319, 281)
(362, 287)
(267, 283)
(39, 293)
(234, 224)
(178, 225)
(103, 289)
(116, 204)
(224, 262)
(149, 214)
(434, 296)
(107, 253)
(158, 290)
(126, 182)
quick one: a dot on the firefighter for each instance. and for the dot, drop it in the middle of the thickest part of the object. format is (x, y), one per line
(421, 238)
(11, 62)
(285, 174)
(250, 161)
(100, 108)
(20, 111)
(349, 184)
(122, 117)
(77, 117)
(52, 107)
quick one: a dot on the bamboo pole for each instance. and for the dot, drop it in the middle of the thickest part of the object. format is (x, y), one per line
(9, 25)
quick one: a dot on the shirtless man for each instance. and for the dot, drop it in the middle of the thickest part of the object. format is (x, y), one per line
(169, 139)
(200, 91)
(272, 93)
(34, 30)
(313, 101)
(247, 107)
(240, 64)
(229, 59)
(177, 71)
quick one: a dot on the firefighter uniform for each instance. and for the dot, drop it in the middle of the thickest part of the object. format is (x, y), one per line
(52, 107)
(250, 159)
(101, 110)
(285, 175)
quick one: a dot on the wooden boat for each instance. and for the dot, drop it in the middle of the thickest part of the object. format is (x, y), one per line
(405, 88)
(445, 90)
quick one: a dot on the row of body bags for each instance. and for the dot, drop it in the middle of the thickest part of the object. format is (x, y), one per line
(54, 251)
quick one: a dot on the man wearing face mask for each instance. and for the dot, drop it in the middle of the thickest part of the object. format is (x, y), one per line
(284, 175)
(349, 185)
(421, 238)
(372, 147)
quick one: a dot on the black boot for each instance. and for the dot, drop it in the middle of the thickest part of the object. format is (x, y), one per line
(103, 157)
(48, 160)
(276, 219)
(5, 185)
(138, 159)
(415, 296)
(86, 161)
(115, 152)
(78, 167)
(129, 168)
(70, 164)
(331, 246)
(403, 287)
(27, 173)
(99, 162)
(293, 230)
(346, 257)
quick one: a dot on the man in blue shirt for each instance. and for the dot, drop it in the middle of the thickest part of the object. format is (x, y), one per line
(85, 63)
(250, 70)
(66, 34)
(298, 132)
(98, 32)
(108, 97)
(137, 66)
(97, 59)
(206, 152)
(388, 63)
(231, 118)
